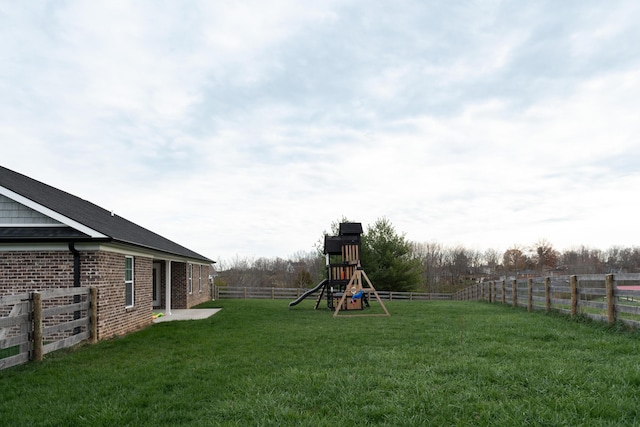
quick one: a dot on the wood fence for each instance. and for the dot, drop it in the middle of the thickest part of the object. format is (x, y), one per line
(34, 324)
(610, 298)
(228, 292)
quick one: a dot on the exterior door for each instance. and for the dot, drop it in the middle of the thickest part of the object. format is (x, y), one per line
(156, 285)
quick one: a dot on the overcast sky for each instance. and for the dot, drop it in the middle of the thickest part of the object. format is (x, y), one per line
(245, 128)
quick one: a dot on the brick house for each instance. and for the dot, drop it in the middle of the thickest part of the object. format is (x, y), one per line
(52, 239)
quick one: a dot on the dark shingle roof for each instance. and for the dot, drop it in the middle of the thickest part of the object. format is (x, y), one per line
(90, 215)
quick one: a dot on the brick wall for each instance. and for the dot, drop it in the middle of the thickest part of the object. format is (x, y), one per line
(180, 296)
(30, 271)
(178, 285)
(105, 270)
(201, 289)
(25, 271)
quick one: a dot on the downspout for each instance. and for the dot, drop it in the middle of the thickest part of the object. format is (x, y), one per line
(76, 282)
(76, 265)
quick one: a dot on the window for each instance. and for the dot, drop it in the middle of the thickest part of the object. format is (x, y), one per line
(128, 281)
(190, 284)
(200, 278)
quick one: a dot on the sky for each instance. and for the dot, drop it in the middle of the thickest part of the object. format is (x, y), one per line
(243, 129)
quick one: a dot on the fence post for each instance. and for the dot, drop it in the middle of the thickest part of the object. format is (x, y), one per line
(611, 307)
(244, 294)
(93, 296)
(504, 291)
(514, 285)
(547, 293)
(37, 326)
(530, 295)
(273, 293)
(490, 292)
(574, 295)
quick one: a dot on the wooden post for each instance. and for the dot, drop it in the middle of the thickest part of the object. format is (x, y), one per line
(93, 315)
(514, 286)
(504, 292)
(573, 280)
(37, 326)
(547, 293)
(273, 293)
(530, 295)
(244, 292)
(490, 292)
(611, 307)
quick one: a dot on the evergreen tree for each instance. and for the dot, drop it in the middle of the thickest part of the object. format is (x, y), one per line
(387, 260)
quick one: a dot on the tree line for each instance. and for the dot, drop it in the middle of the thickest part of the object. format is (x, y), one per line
(394, 263)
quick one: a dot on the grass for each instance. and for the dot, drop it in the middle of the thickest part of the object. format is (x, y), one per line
(258, 363)
(10, 351)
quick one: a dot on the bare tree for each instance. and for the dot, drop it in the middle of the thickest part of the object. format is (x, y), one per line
(514, 260)
(582, 260)
(544, 255)
(431, 256)
(301, 270)
(492, 261)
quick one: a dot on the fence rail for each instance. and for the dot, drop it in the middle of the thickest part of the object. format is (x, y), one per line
(230, 292)
(610, 298)
(36, 323)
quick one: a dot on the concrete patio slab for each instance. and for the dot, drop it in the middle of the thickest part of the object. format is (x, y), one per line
(190, 314)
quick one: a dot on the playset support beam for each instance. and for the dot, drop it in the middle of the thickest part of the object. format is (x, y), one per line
(354, 286)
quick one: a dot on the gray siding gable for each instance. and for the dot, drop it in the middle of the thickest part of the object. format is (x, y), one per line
(14, 213)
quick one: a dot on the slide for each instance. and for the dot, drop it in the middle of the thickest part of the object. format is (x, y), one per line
(309, 292)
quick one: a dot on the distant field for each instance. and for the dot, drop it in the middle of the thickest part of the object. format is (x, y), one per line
(257, 362)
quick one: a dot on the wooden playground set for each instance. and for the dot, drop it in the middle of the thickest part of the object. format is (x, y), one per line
(346, 287)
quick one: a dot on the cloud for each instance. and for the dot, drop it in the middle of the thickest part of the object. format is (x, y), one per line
(242, 128)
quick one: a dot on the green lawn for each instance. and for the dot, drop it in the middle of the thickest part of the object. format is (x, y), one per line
(257, 362)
